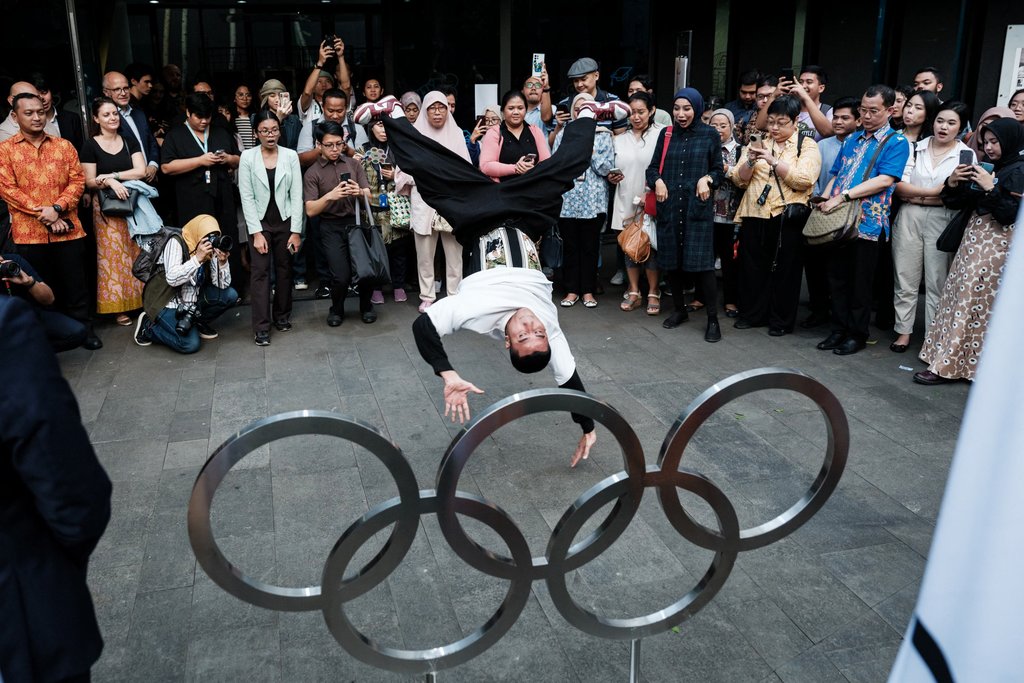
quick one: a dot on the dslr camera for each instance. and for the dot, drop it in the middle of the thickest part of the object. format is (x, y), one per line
(186, 316)
(222, 242)
(9, 269)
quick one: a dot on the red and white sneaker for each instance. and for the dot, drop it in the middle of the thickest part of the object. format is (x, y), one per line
(372, 111)
(616, 110)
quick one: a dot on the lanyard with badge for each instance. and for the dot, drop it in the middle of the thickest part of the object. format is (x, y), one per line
(204, 145)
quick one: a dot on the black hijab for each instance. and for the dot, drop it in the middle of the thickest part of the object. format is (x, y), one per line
(1011, 141)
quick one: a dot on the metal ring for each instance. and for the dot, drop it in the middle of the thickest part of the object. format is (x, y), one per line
(664, 619)
(433, 659)
(300, 422)
(718, 395)
(504, 412)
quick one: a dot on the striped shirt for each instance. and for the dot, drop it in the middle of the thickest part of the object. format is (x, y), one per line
(189, 276)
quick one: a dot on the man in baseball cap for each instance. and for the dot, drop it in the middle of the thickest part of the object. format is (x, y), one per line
(584, 74)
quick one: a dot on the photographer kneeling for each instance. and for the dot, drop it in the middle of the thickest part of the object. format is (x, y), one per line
(18, 278)
(192, 288)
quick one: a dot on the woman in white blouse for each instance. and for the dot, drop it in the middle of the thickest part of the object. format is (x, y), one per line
(633, 152)
(922, 219)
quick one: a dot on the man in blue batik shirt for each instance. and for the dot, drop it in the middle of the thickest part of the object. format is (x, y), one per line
(851, 266)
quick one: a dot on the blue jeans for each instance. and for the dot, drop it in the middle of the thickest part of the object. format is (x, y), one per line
(212, 302)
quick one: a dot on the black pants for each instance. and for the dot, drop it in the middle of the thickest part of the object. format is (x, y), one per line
(770, 272)
(473, 203)
(581, 244)
(816, 271)
(851, 270)
(724, 244)
(280, 259)
(334, 234)
(312, 247)
(398, 259)
(60, 265)
(705, 281)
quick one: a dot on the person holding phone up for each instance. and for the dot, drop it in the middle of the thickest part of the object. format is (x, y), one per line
(274, 98)
(270, 185)
(331, 188)
(951, 347)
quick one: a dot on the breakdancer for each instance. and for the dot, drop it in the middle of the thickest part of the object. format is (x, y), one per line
(505, 294)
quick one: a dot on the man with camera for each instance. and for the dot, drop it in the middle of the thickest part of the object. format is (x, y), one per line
(331, 188)
(190, 288)
(19, 279)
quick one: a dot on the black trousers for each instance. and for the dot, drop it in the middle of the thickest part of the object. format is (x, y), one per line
(473, 203)
(60, 265)
(724, 249)
(851, 270)
(704, 280)
(398, 259)
(334, 234)
(769, 259)
(581, 244)
(280, 259)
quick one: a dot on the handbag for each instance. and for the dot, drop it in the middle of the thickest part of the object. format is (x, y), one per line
(794, 215)
(400, 208)
(114, 206)
(953, 234)
(439, 223)
(635, 243)
(551, 248)
(366, 252)
(650, 198)
(842, 224)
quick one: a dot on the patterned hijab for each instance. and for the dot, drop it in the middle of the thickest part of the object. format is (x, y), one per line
(449, 135)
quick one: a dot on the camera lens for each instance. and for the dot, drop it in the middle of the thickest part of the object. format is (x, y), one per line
(222, 242)
(9, 269)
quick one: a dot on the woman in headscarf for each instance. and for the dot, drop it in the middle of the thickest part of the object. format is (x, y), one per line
(274, 97)
(411, 103)
(956, 337)
(974, 140)
(684, 187)
(582, 215)
(379, 164)
(435, 122)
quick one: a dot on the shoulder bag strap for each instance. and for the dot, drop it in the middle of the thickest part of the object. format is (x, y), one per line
(664, 149)
(799, 146)
(874, 157)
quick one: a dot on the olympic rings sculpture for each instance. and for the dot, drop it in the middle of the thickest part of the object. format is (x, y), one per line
(340, 584)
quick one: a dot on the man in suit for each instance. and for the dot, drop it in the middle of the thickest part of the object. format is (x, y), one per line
(133, 121)
(54, 507)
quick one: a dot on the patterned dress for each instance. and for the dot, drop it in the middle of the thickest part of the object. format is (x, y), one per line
(956, 336)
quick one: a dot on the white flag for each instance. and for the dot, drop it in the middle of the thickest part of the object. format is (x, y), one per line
(969, 621)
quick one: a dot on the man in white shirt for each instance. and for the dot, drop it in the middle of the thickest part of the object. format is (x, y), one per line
(133, 121)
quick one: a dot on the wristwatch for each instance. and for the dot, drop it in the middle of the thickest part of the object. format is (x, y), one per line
(58, 208)
(319, 66)
(846, 196)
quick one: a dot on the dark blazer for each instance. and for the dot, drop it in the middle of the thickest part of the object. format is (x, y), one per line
(54, 506)
(148, 143)
(70, 125)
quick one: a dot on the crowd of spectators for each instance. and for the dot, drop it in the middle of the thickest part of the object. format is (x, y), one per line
(265, 183)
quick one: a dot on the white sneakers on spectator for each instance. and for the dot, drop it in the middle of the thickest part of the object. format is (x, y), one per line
(619, 278)
(616, 110)
(372, 111)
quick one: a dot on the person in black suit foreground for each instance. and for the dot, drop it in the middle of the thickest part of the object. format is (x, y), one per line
(54, 507)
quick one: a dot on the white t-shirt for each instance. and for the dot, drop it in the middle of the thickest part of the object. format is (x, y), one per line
(488, 299)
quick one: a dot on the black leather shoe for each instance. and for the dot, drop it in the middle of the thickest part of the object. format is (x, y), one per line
(898, 348)
(742, 324)
(714, 331)
(283, 325)
(334, 320)
(849, 347)
(831, 341)
(814, 320)
(776, 331)
(929, 378)
(92, 342)
(732, 313)
(675, 320)
(369, 317)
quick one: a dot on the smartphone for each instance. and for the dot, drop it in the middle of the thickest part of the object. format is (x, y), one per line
(284, 98)
(291, 248)
(787, 73)
(988, 169)
(537, 65)
(386, 166)
(562, 108)
(344, 177)
(219, 152)
(530, 157)
(329, 39)
(966, 157)
(755, 140)
(615, 171)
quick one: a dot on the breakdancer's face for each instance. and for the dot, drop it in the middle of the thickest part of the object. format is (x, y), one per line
(525, 333)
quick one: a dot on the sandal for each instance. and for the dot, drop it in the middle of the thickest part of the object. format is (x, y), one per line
(590, 303)
(694, 306)
(569, 303)
(654, 307)
(124, 321)
(632, 301)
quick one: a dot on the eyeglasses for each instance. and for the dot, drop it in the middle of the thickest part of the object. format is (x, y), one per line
(533, 85)
(121, 90)
(269, 132)
(437, 107)
(869, 112)
(492, 120)
(763, 97)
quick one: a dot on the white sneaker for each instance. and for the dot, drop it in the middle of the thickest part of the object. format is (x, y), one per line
(616, 110)
(619, 278)
(371, 111)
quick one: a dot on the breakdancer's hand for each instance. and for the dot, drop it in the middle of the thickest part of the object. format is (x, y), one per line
(456, 392)
(587, 442)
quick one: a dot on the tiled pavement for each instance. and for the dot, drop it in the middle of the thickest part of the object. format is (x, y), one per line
(827, 603)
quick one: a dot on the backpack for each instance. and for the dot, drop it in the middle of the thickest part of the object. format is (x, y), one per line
(145, 265)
